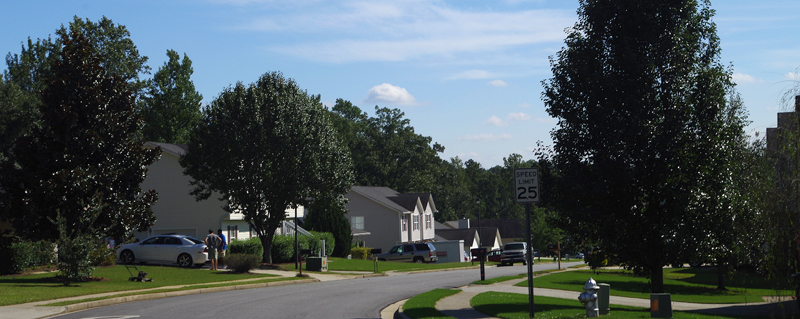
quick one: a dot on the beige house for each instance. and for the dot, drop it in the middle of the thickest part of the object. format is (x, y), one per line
(389, 217)
(178, 212)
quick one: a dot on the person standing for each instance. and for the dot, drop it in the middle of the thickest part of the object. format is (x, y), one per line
(222, 248)
(213, 242)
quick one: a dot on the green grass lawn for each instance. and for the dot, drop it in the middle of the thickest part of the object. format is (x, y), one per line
(509, 305)
(38, 287)
(424, 305)
(685, 284)
(344, 264)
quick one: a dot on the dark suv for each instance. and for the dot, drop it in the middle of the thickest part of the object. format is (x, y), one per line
(419, 252)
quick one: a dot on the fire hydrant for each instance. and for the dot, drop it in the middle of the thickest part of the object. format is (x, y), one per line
(589, 298)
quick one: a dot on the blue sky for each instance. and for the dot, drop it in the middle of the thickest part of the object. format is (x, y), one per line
(466, 73)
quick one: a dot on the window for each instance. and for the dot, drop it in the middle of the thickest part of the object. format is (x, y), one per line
(416, 222)
(357, 222)
(428, 221)
(403, 221)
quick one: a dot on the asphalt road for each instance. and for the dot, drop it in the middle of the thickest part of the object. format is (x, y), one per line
(353, 298)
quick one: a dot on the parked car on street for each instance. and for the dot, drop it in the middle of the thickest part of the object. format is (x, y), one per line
(179, 249)
(493, 255)
(418, 253)
(514, 253)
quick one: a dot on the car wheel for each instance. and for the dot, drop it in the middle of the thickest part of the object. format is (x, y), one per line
(185, 261)
(418, 260)
(524, 263)
(127, 257)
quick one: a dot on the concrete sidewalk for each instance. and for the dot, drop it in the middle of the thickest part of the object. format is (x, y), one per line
(458, 305)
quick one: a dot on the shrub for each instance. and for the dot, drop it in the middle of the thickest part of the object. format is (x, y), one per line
(361, 252)
(315, 245)
(7, 248)
(23, 256)
(242, 263)
(251, 246)
(283, 248)
(44, 253)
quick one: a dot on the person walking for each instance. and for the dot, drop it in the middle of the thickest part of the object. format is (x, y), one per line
(222, 249)
(213, 242)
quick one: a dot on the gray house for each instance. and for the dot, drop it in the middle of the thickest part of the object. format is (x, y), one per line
(389, 217)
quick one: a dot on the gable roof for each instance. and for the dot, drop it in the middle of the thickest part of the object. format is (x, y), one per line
(509, 228)
(176, 150)
(468, 235)
(403, 203)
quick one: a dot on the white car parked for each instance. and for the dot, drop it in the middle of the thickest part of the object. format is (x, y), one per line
(183, 250)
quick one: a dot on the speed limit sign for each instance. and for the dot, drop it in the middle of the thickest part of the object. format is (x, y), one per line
(526, 185)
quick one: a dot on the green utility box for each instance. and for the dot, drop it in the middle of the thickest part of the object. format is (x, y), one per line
(602, 299)
(317, 263)
(660, 306)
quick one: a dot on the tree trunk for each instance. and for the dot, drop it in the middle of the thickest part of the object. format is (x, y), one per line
(266, 242)
(722, 270)
(657, 280)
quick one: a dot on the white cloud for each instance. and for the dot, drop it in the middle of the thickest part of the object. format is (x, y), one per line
(496, 121)
(497, 83)
(518, 117)
(387, 93)
(398, 31)
(484, 137)
(741, 78)
(511, 117)
(792, 76)
(525, 105)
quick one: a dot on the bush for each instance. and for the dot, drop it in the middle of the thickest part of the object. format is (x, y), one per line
(251, 246)
(242, 263)
(361, 252)
(283, 248)
(315, 245)
(44, 253)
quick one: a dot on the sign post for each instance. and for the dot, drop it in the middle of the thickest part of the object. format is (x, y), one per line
(526, 191)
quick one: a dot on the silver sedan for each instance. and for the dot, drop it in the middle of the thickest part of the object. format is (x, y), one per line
(178, 249)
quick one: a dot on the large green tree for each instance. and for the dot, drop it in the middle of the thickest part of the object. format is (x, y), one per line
(386, 149)
(329, 215)
(637, 92)
(171, 106)
(83, 164)
(266, 147)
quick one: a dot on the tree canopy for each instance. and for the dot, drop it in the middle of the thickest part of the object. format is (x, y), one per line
(638, 92)
(266, 147)
(171, 106)
(386, 149)
(83, 164)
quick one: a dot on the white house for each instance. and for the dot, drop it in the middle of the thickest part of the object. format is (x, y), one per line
(389, 217)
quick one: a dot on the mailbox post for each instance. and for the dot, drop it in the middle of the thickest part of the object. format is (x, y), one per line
(303, 252)
(374, 252)
(481, 253)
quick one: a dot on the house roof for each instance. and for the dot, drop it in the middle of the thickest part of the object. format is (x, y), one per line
(468, 235)
(177, 150)
(509, 228)
(404, 203)
(488, 235)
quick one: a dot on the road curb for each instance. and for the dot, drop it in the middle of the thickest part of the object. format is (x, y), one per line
(168, 294)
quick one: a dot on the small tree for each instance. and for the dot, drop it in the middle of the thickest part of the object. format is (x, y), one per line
(327, 215)
(265, 147)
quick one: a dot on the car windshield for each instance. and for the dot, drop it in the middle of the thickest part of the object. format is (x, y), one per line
(515, 247)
